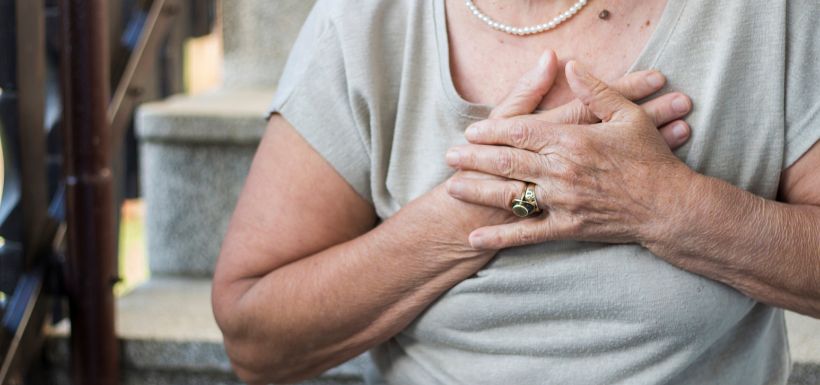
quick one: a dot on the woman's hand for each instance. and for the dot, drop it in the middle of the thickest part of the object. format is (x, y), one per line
(665, 111)
(600, 182)
(523, 99)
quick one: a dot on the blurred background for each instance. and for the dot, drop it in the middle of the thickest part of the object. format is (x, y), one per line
(126, 129)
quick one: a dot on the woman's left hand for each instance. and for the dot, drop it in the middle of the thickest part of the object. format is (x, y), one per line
(609, 182)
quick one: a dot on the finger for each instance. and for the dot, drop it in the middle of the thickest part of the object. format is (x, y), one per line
(511, 163)
(470, 174)
(667, 108)
(602, 100)
(530, 89)
(521, 132)
(633, 86)
(640, 84)
(528, 231)
(492, 193)
(676, 133)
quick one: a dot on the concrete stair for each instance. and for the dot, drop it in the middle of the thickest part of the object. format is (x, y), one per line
(804, 341)
(196, 150)
(195, 153)
(169, 337)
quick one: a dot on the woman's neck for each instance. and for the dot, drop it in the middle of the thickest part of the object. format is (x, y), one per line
(523, 13)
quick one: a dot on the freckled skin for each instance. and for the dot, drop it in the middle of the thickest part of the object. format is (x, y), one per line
(478, 52)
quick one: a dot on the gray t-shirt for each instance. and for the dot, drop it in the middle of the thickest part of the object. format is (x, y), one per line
(368, 85)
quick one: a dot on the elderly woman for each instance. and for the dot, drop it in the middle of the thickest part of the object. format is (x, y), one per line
(560, 240)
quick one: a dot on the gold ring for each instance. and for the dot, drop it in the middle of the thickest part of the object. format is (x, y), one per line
(526, 205)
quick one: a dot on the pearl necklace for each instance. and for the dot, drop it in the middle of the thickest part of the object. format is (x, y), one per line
(521, 31)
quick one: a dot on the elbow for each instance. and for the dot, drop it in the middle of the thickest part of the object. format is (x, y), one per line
(257, 356)
(256, 359)
(260, 363)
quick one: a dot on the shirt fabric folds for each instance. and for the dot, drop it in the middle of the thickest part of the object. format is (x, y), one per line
(368, 86)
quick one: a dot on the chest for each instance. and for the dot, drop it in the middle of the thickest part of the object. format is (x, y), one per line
(607, 43)
(737, 130)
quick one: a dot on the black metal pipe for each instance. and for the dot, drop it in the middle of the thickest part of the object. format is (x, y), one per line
(89, 192)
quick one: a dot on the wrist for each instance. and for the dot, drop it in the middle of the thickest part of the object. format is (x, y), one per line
(434, 230)
(675, 203)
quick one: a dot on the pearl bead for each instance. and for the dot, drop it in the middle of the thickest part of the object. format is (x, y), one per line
(528, 30)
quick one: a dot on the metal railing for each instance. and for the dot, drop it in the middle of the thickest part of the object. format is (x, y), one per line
(59, 236)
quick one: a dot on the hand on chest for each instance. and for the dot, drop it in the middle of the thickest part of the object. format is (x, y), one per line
(485, 63)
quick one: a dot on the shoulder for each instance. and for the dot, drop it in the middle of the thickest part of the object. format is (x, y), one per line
(353, 33)
(357, 39)
(358, 17)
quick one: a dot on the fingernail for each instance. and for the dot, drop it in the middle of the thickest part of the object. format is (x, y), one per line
(477, 240)
(453, 157)
(579, 70)
(472, 132)
(680, 104)
(680, 131)
(455, 188)
(655, 80)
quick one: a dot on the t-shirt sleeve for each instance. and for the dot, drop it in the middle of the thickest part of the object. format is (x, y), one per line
(802, 79)
(314, 97)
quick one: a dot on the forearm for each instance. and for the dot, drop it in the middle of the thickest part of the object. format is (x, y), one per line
(319, 311)
(768, 250)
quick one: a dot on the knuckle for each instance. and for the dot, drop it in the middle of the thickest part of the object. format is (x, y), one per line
(600, 88)
(571, 143)
(571, 203)
(469, 158)
(571, 174)
(576, 145)
(523, 236)
(576, 225)
(505, 163)
(519, 133)
(578, 114)
(549, 164)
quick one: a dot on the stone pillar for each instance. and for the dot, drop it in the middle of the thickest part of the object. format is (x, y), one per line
(258, 37)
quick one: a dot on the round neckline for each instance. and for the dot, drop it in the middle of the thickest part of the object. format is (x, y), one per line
(647, 58)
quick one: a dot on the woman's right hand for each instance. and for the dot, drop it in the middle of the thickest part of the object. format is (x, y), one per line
(665, 111)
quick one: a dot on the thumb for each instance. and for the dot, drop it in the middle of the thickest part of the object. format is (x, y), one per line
(606, 103)
(530, 89)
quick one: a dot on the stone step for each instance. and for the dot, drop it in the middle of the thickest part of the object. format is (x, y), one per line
(804, 341)
(169, 336)
(195, 153)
